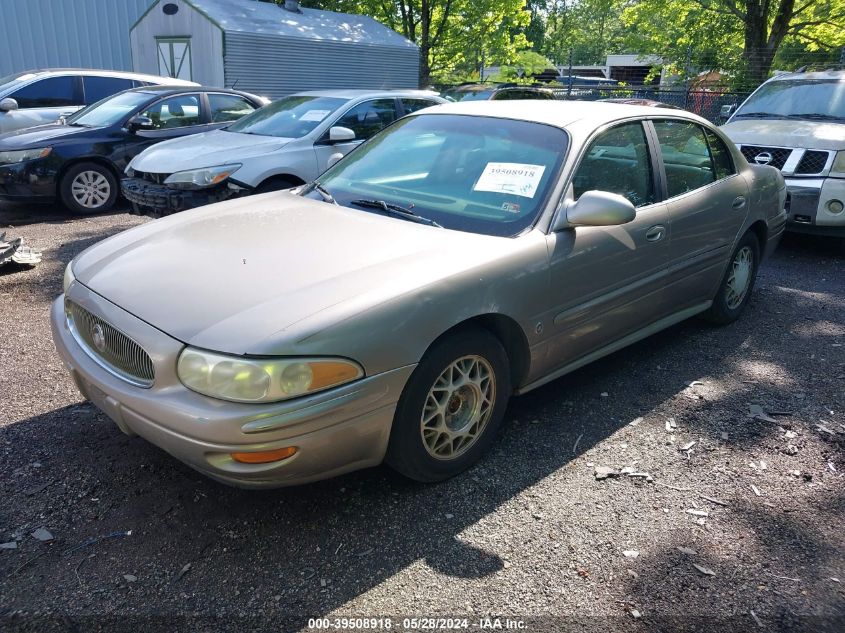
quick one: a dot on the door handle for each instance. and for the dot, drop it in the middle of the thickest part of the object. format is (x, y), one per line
(739, 203)
(655, 233)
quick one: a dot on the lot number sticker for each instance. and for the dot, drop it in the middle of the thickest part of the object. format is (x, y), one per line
(514, 178)
(315, 115)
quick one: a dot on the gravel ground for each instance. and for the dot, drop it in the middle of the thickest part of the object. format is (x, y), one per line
(743, 531)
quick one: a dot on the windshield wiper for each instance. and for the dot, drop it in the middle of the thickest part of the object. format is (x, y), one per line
(815, 116)
(325, 194)
(397, 211)
(759, 115)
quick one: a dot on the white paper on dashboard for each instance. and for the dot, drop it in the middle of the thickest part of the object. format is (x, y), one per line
(315, 115)
(514, 178)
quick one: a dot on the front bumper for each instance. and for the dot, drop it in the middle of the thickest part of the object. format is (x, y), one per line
(336, 431)
(162, 200)
(808, 211)
(30, 181)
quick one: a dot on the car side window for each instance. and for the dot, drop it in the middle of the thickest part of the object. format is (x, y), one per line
(53, 92)
(686, 156)
(412, 105)
(722, 160)
(369, 117)
(228, 107)
(180, 111)
(97, 88)
(618, 161)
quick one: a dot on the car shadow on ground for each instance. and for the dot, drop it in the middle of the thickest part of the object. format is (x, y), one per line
(302, 552)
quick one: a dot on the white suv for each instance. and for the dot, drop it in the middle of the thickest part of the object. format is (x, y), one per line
(796, 122)
(282, 145)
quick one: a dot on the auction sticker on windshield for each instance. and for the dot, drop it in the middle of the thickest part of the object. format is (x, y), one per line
(315, 115)
(516, 178)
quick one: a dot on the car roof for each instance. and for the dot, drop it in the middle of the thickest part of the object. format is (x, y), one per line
(494, 87)
(836, 75)
(106, 73)
(559, 113)
(355, 94)
(166, 90)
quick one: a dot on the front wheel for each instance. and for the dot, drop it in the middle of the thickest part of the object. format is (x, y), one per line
(88, 188)
(451, 408)
(735, 290)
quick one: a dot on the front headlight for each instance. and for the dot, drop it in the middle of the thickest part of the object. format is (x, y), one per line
(68, 280)
(201, 178)
(838, 167)
(261, 380)
(19, 156)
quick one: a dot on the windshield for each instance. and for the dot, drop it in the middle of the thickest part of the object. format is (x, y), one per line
(110, 110)
(468, 173)
(468, 95)
(804, 98)
(291, 117)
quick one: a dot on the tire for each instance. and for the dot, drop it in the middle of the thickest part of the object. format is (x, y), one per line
(731, 299)
(88, 188)
(275, 184)
(424, 453)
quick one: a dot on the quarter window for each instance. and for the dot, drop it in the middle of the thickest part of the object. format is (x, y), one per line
(618, 161)
(53, 92)
(686, 156)
(178, 111)
(228, 107)
(369, 117)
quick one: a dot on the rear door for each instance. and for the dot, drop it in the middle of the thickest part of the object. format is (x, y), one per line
(608, 282)
(43, 101)
(365, 119)
(708, 203)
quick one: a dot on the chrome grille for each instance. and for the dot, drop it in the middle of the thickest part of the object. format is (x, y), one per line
(110, 347)
(779, 155)
(812, 162)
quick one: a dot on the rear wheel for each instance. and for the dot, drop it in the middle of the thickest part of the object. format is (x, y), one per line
(88, 188)
(451, 408)
(735, 290)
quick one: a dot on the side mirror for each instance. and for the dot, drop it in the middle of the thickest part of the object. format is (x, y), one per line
(139, 122)
(595, 208)
(727, 110)
(8, 104)
(338, 134)
(333, 159)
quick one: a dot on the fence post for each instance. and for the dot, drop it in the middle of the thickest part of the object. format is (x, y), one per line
(687, 72)
(569, 83)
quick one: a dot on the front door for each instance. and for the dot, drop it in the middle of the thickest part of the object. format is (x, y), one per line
(365, 119)
(607, 282)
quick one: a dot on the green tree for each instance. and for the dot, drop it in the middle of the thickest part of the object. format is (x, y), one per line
(743, 36)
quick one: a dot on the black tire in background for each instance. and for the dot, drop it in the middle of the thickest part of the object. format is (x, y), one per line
(88, 187)
(407, 450)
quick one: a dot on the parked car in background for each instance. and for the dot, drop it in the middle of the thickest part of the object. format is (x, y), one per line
(283, 145)
(389, 309)
(650, 103)
(80, 160)
(43, 96)
(796, 123)
(496, 92)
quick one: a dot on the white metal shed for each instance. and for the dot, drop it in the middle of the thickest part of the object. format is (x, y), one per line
(269, 49)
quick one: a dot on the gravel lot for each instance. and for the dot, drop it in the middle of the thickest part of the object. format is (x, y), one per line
(529, 533)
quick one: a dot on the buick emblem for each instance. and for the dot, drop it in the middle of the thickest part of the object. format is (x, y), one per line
(763, 158)
(99, 337)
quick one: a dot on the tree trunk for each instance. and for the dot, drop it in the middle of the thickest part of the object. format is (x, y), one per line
(760, 43)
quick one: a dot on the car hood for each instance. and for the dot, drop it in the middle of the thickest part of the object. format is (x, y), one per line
(40, 136)
(208, 149)
(787, 133)
(230, 276)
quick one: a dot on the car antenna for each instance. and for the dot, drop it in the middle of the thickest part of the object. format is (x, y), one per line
(234, 85)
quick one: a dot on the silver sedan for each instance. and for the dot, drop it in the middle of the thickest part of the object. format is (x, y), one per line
(389, 310)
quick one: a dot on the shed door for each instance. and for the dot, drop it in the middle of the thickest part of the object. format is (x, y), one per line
(174, 57)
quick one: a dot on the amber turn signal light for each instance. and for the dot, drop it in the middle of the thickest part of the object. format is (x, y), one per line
(265, 457)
